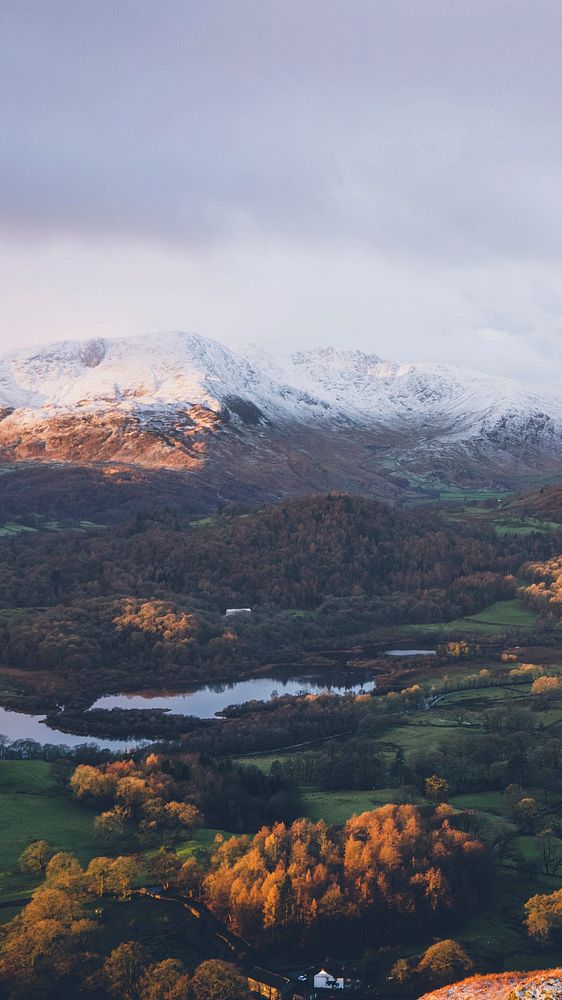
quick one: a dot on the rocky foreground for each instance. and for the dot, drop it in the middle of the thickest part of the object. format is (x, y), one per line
(546, 985)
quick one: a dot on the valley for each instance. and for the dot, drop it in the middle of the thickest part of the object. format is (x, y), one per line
(393, 695)
(396, 659)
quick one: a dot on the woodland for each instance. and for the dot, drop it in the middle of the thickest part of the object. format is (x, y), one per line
(89, 611)
(415, 831)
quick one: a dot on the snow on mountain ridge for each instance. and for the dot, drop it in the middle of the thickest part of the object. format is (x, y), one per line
(391, 390)
(163, 369)
(174, 369)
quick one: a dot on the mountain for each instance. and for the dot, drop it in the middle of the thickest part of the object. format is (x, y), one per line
(254, 425)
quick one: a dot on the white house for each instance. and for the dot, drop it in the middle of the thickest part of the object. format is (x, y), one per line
(329, 977)
(238, 611)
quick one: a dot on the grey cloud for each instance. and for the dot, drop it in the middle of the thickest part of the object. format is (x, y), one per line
(428, 129)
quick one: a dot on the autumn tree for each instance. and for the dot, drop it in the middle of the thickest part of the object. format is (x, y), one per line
(65, 872)
(401, 971)
(46, 944)
(543, 914)
(36, 857)
(436, 788)
(88, 782)
(526, 814)
(394, 861)
(190, 877)
(216, 980)
(444, 962)
(166, 980)
(165, 866)
(111, 876)
(546, 689)
(123, 970)
(110, 825)
(169, 819)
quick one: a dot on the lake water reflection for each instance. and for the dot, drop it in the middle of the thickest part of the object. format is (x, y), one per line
(19, 726)
(204, 703)
(207, 701)
(410, 652)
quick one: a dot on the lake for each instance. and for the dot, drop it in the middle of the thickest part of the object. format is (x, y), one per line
(410, 652)
(20, 726)
(206, 702)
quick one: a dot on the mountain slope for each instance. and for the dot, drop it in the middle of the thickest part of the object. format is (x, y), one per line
(545, 985)
(316, 419)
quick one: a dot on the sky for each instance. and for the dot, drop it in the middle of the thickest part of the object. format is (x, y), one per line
(379, 174)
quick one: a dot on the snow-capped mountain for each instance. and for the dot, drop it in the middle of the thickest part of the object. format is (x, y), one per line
(314, 418)
(164, 370)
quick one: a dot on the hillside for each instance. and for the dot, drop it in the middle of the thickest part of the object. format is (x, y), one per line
(545, 985)
(296, 553)
(97, 607)
(545, 503)
(249, 425)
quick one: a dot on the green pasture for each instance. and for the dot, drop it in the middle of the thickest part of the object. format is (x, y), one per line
(523, 525)
(513, 612)
(338, 806)
(11, 528)
(263, 762)
(33, 808)
(499, 617)
(14, 528)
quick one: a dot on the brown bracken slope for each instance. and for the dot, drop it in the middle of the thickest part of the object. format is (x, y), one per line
(505, 986)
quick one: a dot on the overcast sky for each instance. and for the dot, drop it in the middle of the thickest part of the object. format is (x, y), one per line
(385, 174)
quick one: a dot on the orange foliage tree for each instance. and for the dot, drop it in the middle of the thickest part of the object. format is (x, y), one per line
(387, 865)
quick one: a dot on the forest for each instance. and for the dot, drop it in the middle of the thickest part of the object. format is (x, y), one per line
(86, 611)
(414, 830)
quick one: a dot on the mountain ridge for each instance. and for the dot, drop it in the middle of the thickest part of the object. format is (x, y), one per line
(174, 360)
(179, 400)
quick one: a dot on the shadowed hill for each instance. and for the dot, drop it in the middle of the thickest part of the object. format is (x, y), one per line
(545, 503)
(295, 554)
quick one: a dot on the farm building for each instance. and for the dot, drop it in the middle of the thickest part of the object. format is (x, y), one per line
(335, 976)
(270, 985)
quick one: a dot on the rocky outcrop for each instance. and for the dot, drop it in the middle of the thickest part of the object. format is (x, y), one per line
(546, 985)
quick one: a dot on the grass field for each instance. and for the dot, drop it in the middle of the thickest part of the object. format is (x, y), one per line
(497, 618)
(200, 844)
(492, 803)
(13, 528)
(263, 762)
(523, 526)
(32, 808)
(337, 807)
(514, 612)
